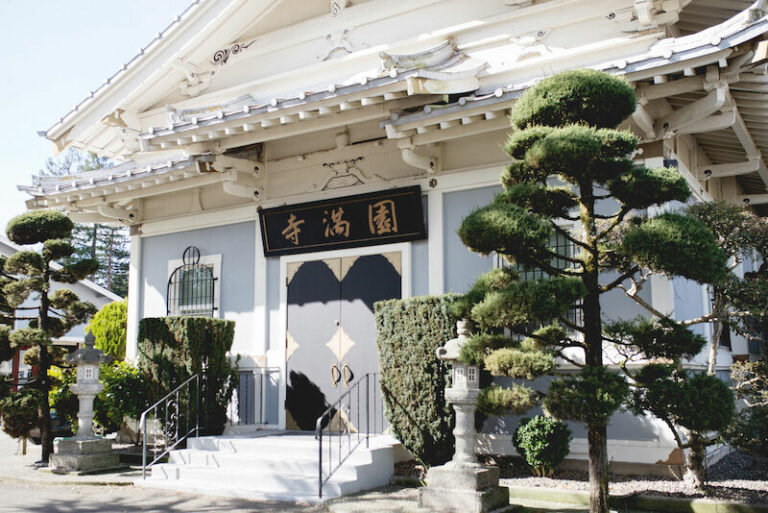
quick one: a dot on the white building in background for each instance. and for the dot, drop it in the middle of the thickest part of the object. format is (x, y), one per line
(321, 155)
(86, 291)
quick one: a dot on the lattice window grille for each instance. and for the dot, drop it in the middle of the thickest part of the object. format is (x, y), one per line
(192, 287)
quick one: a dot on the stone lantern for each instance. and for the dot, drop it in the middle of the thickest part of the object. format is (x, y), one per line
(463, 484)
(85, 452)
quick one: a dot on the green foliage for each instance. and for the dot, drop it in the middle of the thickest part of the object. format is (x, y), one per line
(500, 401)
(662, 338)
(698, 402)
(413, 380)
(549, 201)
(109, 326)
(493, 280)
(61, 398)
(27, 337)
(503, 227)
(172, 349)
(519, 364)
(543, 443)
(6, 349)
(55, 249)
(750, 382)
(582, 96)
(474, 351)
(73, 272)
(749, 431)
(125, 394)
(590, 396)
(20, 412)
(25, 262)
(524, 302)
(39, 226)
(641, 187)
(677, 244)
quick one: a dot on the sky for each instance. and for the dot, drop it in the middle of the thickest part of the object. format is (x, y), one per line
(52, 54)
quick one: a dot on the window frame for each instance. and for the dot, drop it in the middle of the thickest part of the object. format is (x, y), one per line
(214, 263)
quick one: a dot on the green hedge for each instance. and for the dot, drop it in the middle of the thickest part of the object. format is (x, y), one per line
(172, 349)
(413, 380)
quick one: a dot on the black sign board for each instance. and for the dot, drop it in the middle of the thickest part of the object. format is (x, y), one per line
(383, 217)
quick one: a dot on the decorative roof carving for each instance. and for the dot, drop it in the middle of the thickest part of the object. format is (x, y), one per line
(223, 55)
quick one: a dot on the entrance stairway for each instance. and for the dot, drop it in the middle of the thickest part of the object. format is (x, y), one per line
(278, 466)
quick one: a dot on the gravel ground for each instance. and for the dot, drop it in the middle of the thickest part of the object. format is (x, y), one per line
(736, 477)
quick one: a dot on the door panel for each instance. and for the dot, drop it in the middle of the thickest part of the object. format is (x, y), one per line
(331, 336)
(369, 279)
(312, 340)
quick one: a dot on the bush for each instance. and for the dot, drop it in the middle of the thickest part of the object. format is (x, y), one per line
(749, 431)
(543, 443)
(109, 326)
(125, 394)
(413, 380)
(20, 412)
(39, 226)
(173, 349)
(62, 399)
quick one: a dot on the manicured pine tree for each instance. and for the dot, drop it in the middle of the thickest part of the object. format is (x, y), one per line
(49, 313)
(571, 164)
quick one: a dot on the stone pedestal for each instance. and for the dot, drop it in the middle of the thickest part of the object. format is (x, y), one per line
(83, 455)
(467, 489)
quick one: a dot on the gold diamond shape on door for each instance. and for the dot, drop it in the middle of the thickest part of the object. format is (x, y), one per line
(340, 344)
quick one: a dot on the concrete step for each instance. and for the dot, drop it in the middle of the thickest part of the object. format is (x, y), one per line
(273, 467)
(300, 464)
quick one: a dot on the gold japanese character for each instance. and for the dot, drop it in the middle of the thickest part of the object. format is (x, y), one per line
(382, 218)
(291, 232)
(337, 225)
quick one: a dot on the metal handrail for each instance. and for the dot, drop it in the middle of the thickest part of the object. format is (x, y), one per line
(171, 402)
(330, 412)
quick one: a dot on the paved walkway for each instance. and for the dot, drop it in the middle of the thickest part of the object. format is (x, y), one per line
(26, 488)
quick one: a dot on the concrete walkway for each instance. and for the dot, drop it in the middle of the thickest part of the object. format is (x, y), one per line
(26, 488)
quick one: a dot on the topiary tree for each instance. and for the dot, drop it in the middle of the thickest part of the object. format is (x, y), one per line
(109, 326)
(750, 430)
(413, 379)
(48, 313)
(543, 442)
(570, 164)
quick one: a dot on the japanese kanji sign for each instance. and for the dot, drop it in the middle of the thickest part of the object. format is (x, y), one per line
(394, 215)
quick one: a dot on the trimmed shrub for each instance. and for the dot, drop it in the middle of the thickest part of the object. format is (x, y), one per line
(173, 349)
(109, 326)
(413, 380)
(543, 443)
(125, 394)
(749, 431)
(38, 226)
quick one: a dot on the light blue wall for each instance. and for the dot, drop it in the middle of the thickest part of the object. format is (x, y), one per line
(236, 245)
(273, 297)
(461, 266)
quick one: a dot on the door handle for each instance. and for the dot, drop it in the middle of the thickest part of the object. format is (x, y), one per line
(335, 375)
(348, 375)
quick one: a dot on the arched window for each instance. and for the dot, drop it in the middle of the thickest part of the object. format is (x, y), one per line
(192, 287)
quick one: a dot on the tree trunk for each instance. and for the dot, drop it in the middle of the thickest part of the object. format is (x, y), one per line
(714, 345)
(44, 417)
(598, 468)
(696, 473)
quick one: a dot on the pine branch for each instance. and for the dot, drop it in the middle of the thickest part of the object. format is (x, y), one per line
(619, 218)
(570, 360)
(618, 281)
(571, 325)
(565, 233)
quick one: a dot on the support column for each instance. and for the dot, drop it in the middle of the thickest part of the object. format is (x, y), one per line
(134, 299)
(435, 245)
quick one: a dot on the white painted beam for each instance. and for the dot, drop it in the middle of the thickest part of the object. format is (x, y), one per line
(134, 298)
(753, 199)
(730, 169)
(692, 112)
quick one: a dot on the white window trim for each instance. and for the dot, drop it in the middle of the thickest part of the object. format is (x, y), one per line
(213, 261)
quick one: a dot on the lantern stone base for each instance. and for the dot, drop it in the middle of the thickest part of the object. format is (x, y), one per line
(83, 456)
(464, 488)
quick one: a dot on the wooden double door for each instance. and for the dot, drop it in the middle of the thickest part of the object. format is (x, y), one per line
(331, 332)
